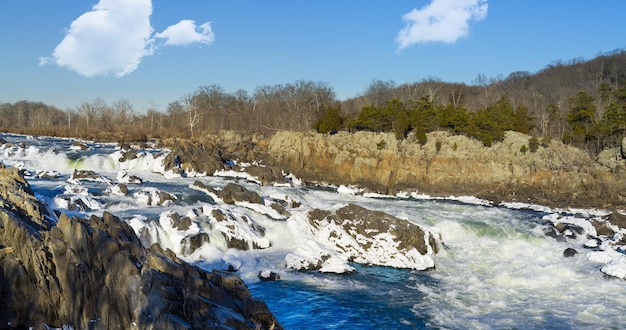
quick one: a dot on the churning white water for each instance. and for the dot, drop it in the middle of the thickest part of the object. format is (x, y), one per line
(496, 269)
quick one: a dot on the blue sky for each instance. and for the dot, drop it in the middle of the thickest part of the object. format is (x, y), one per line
(66, 52)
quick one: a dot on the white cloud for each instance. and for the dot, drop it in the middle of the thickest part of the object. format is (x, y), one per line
(113, 38)
(185, 33)
(440, 21)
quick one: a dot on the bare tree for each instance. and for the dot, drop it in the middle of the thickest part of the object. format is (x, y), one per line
(192, 112)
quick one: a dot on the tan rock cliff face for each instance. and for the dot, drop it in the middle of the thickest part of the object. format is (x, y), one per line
(508, 170)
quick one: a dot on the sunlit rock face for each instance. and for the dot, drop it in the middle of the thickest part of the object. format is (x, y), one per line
(553, 174)
(94, 273)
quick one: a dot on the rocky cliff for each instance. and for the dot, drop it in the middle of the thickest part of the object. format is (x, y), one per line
(95, 274)
(553, 174)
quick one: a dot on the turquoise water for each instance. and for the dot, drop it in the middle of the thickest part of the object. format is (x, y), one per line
(371, 298)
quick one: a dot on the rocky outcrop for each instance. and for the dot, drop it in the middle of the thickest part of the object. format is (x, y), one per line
(94, 274)
(201, 156)
(554, 174)
(232, 193)
(368, 237)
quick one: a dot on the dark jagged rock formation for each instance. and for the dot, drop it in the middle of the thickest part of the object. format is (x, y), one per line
(94, 274)
(202, 157)
(232, 193)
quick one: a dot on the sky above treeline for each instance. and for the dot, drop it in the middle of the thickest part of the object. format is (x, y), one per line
(151, 53)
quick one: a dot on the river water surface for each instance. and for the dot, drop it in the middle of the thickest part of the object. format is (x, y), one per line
(496, 268)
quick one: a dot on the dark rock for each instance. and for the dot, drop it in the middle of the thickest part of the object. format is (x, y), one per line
(603, 228)
(569, 252)
(562, 227)
(281, 210)
(369, 223)
(240, 232)
(179, 222)
(267, 275)
(197, 240)
(94, 274)
(266, 174)
(126, 177)
(617, 219)
(128, 154)
(554, 233)
(364, 227)
(236, 242)
(187, 155)
(88, 175)
(232, 193)
(123, 189)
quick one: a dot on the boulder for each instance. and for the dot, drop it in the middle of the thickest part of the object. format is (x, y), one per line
(154, 197)
(617, 219)
(95, 274)
(610, 158)
(88, 175)
(373, 238)
(202, 157)
(267, 275)
(569, 252)
(232, 193)
(239, 232)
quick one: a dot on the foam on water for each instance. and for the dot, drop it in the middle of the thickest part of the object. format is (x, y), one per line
(496, 268)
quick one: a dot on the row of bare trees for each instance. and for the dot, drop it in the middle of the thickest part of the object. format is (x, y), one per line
(294, 106)
(547, 96)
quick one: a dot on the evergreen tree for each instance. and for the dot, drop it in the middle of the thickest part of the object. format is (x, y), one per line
(330, 121)
(581, 118)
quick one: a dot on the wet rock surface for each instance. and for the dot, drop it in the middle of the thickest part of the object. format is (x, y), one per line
(94, 274)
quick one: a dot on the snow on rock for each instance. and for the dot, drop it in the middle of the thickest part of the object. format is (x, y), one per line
(80, 146)
(125, 177)
(47, 175)
(154, 197)
(176, 229)
(470, 200)
(268, 275)
(237, 174)
(76, 198)
(616, 267)
(593, 230)
(526, 206)
(240, 231)
(356, 234)
(87, 175)
(349, 190)
(117, 190)
(199, 186)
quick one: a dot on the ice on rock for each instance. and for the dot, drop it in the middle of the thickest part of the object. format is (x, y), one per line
(125, 177)
(616, 267)
(151, 196)
(76, 198)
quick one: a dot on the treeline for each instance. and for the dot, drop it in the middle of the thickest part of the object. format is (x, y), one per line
(423, 116)
(590, 122)
(579, 102)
